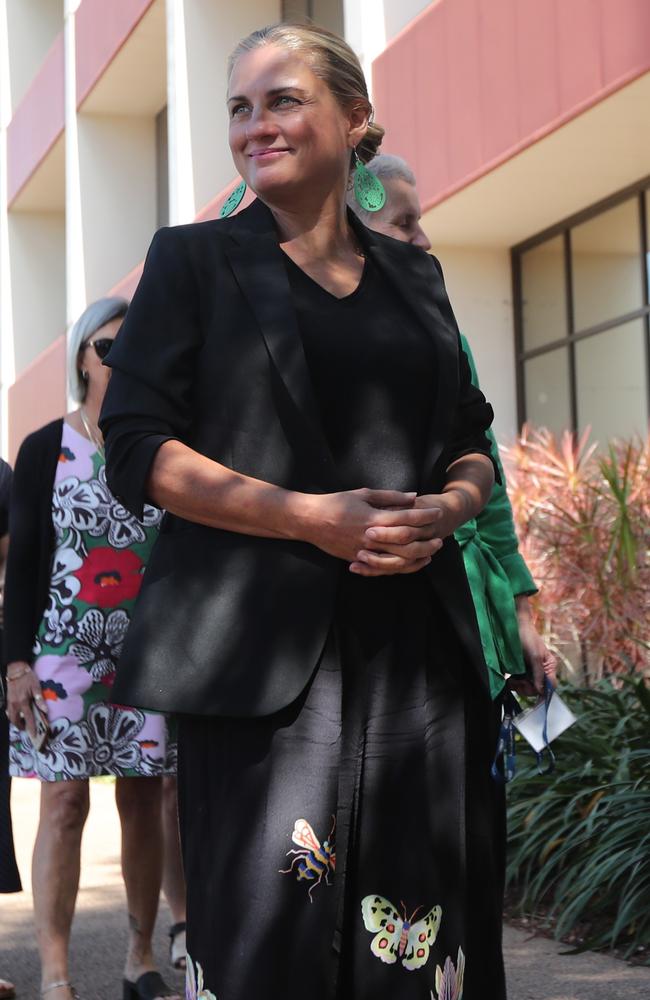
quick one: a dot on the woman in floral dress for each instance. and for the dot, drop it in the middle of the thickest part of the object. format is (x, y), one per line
(75, 566)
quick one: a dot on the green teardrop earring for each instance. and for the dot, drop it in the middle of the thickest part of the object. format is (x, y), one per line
(233, 200)
(368, 189)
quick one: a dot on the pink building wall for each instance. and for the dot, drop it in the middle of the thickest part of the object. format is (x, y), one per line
(470, 83)
(38, 395)
(101, 30)
(37, 122)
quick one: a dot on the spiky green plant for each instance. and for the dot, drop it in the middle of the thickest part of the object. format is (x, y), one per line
(579, 839)
(583, 519)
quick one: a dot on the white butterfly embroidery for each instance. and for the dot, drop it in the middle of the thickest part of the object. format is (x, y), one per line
(398, 937)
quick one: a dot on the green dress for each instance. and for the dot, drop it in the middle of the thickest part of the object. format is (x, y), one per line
(496, 572)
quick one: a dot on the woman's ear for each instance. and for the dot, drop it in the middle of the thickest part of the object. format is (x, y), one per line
(359, 119)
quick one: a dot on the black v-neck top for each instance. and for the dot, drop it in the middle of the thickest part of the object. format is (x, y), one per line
(372, 367)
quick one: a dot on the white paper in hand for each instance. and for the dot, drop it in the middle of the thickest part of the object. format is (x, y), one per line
(530, 722)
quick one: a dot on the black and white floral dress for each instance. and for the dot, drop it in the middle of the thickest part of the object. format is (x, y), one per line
(100, 554)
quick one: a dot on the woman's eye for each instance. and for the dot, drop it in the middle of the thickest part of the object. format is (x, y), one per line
(285, 100)
(237, 110)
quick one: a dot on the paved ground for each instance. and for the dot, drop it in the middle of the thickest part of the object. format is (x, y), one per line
(536, 968)
(99, 933)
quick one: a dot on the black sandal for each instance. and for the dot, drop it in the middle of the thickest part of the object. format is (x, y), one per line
(148, 986)
(180, 961)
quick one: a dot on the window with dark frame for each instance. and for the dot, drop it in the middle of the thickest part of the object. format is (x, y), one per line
(582, 320)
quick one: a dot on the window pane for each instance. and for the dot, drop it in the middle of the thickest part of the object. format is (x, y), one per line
(547, 391)
(606, 266)
(611, 382)
(543, 294)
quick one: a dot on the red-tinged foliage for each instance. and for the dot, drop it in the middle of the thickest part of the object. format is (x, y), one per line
(583, 519)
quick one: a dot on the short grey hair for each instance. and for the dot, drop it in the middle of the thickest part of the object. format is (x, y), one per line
(92, 319)
(385, 167)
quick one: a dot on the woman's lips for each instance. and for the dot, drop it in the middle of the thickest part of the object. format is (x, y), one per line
(267, 154)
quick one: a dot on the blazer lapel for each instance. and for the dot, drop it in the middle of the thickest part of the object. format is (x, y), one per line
(258, 265)
(415, 277)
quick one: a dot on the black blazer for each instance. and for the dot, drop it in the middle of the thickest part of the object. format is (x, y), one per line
(210, 354)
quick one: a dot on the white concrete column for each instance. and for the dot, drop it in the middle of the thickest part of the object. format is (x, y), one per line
(75, 268)
(182, 203)
(365, 31)
(212, 29)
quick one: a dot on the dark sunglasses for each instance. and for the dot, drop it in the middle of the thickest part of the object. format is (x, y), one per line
(102, 346)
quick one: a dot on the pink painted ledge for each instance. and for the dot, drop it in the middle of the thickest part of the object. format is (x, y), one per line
(469, 84)
(212, 209)
(38, 121)
(126, 286)
(101, 29)
(38, 395)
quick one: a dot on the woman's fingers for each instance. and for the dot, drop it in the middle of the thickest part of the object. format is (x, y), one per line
(550, 667)
(388, 569)
(388, 498)
(411, 551)
(22, 694)
(390, 563)
(414, 517)
(379, 537)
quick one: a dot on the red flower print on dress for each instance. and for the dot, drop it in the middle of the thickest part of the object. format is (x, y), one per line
(109, 577)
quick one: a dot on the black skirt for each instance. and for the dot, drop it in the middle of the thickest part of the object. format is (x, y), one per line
(349, 845)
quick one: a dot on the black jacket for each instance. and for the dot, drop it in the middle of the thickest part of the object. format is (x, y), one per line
(5, 494)
(31, 541)
(210, 354)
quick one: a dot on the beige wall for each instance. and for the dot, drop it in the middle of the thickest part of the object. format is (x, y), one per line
(328, 13)
(212, 29)
(32, 26)
(37, 270)
(117, 166)
(479, 287)
(398, 13)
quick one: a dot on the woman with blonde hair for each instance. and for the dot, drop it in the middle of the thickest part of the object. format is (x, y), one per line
(306, 609)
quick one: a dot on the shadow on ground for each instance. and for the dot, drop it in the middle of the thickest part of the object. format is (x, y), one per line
(99, 937)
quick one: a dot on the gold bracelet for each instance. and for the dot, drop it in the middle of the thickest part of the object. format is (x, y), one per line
(16, 677)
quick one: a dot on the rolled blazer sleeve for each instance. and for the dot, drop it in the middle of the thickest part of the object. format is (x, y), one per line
(149, 397)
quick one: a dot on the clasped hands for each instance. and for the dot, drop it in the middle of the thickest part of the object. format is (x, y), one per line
(386, 532)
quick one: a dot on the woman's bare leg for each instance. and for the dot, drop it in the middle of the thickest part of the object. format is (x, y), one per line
(55, 875)
(173, 879)
(140, 808)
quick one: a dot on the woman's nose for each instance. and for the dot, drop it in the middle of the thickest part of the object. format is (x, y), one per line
(420, 239)
(260, 124)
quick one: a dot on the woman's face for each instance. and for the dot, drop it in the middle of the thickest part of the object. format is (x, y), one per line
(289, 137)
(400, 216)
(90, 362)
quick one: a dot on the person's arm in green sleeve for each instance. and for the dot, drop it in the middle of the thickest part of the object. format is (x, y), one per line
(495, 523)
(496, 527)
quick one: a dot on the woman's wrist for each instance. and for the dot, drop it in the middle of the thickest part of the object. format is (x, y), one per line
(460, 503)
(298, 515)
(17, 669)
(522, 605)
